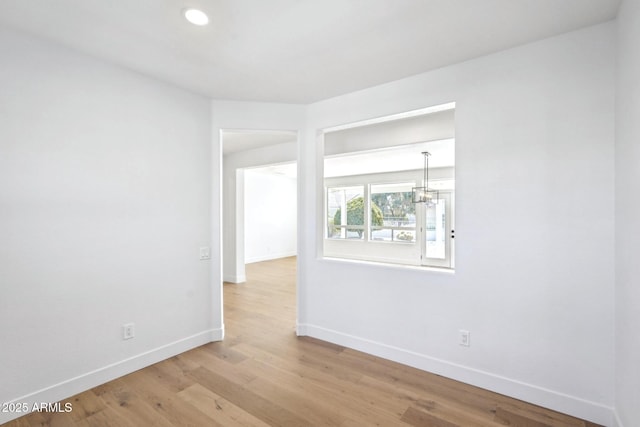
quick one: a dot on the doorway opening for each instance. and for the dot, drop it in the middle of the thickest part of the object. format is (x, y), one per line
(259, 198)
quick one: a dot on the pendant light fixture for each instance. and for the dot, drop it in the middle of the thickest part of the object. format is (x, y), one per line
(425, 194)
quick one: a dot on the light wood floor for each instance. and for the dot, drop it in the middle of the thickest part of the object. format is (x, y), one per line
(262, 374)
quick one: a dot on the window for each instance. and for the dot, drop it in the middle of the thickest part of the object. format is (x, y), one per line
(351, 201)
(383, 224)
(393, 215)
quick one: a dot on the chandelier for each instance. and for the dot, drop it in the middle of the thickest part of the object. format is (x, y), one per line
(425, 194)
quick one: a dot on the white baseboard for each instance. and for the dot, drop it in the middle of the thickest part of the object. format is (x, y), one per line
(575, 406)
(269, 257)
(87, 381)
(234, 279)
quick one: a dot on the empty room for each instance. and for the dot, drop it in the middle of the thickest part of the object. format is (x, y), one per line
(304, 212)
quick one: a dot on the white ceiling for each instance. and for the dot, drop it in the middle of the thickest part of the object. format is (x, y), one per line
(296, 51)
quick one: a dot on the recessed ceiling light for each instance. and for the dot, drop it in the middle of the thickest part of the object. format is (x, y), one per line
(196, 17)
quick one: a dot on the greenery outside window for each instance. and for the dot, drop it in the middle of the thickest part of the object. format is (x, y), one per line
(351, 200)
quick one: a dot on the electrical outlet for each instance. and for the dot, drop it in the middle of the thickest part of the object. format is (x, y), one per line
(128, 331)
(205, 253)
(465, 338)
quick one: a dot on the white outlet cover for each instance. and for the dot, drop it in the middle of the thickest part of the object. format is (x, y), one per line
(465, 338)
(128, 331)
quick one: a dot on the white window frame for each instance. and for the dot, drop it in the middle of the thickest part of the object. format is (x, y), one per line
(344, 227)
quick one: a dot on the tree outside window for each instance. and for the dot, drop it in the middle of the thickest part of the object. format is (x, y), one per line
(399, 213)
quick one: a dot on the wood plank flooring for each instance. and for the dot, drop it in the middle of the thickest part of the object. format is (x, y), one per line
(263, 375)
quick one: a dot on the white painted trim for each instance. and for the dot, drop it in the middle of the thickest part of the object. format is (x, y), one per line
(551, 399)
(392, 117)
(616, 419)
(230, 278)
(87, 381)
(270, 257)
(301, 330)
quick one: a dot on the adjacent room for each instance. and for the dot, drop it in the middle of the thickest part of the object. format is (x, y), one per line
(301, 213)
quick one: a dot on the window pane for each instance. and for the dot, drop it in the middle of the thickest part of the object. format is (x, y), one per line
(351, 200)
(436, 229)
(393, 215)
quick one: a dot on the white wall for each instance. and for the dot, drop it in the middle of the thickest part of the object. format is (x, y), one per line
(628, 215)
(104, 202)
(534, 230)
(270, 220)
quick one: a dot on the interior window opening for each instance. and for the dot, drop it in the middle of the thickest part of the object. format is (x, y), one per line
(372, 172)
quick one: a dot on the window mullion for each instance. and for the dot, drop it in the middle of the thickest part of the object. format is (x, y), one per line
(367, 212)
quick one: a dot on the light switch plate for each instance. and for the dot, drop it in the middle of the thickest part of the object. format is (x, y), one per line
(205, 253)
